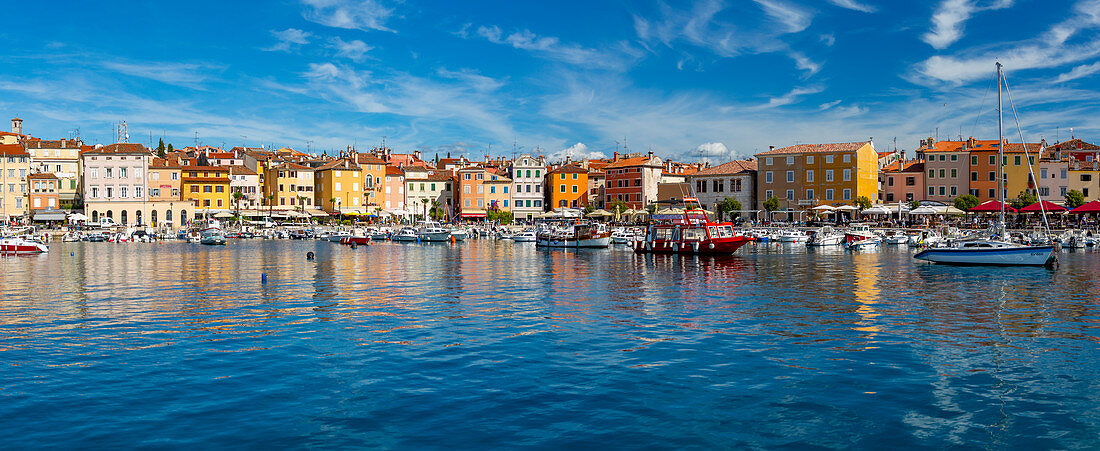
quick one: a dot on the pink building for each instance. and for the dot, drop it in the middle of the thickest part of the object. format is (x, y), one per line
(394, 189)
(903, 181)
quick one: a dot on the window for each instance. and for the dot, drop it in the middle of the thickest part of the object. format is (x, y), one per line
(1086, 177)
(992, 176)
(828, 192)
(95, 192)
(1064, 173)
(954, 158)
(828, 174)
(847, 174)
(992, 162)
(466, 203)
(973, 176)
(889, 197)
(221, 189)
(492, 190)
(505, 203)
(809, 194)
(910, 181)
(1043, 173)
(122, 191)
(954, 191)
(954, 173)
(931, 191)
(890, 181)
(768, 161)
(943, 192)
(481, 189)
(538, 189)
(992, 193)
(768, 177)
(790, 160)
(790, 176)
(847, 158)
(931, 173)
(768, 194)
(505, 190)
(1016, 160)
(561, 176)
(137, 191)
(828, 159)
(810, 177)
(1084, 191)
(538, 203)
(574, 176)
(175, 192)
(790, 194)
(121, 173)
(974, 160)
(809, 159)
(194, 188)
(574, 189)
(847, 193)
(207, 189)
(562, 188)
(1063, 193)
(107, 172)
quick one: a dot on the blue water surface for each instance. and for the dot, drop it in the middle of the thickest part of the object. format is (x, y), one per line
(498, 345)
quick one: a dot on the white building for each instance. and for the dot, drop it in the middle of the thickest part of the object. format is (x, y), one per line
(528, 181)
(736, 180)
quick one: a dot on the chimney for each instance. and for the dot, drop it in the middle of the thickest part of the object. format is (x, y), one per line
(416, 154)
(650, 154)
(615, 156)
(63, 143)
(770, 148)
(17, 126)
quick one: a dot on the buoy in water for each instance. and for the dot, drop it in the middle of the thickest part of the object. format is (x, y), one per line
(263, 278)
(353, 245)
(452, 239)
(309, 255)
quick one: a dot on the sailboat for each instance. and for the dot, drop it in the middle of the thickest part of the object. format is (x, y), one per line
(989, 251)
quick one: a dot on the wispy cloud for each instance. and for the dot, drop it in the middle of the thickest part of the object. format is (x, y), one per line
(1053, 48)
(551, 47)
(578, 151)
(854, 5)
(1079, 72)
(289, 38)
(792, 17)
(363, 15)
(792, 96)
(354, 50)
(827, 105)
(189, 75)
(950, 18)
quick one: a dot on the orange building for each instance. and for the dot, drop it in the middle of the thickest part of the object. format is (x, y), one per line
(43, 191)
(568, 186)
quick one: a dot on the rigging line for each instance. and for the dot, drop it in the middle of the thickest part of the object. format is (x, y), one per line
(1031, 172)
(982, 107)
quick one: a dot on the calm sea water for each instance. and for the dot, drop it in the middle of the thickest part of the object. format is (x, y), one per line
(500, 345)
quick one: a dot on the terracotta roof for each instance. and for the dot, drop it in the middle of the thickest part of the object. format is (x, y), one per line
(42, 175)
(366, 158)
(13, 150)
(1076, 144)
(568, 169)
(731, 168)
(905, 166)
(53, 144)
(339, 164)
(294, 166)
(206, 168)
(220, 155)
(633, 161)
(1017, 147)
(237, 169)
(394, 170)
(119, 148)
(816, 148)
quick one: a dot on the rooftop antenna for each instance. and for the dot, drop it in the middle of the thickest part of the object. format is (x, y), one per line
(244, 141)
(383, 142)
(309, 146)
(1056, 130)
(196, 139)
(122, 135)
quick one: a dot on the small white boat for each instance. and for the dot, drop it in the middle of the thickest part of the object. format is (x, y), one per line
(989, 252)
(526, 236)
(826, 236)
(71, 237)
(866, 243)
(793, 236)
(22, 245)
(459, 234)
(406, 234)
(894, 237)
(432, 231)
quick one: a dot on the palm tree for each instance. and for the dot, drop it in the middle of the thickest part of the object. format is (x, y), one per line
(332, 203)
(270, 202)
(436, 214)
(425, 202)
(237, 196)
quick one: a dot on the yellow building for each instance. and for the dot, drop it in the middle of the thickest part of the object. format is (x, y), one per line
(164, 179)
(498, 194)
(806, 175)
(568, 186)
(374, 179)
(287, 186)
(1017, 174)
(207, 187)
(337, 187)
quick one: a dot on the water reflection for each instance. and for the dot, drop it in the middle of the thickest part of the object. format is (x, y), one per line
(793, 345)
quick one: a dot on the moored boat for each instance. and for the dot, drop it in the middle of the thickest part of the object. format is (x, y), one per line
(692, 233)
(22, 245)
(576, 234)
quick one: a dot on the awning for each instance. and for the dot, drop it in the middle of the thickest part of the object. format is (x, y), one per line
(472, 214)
(50, 216)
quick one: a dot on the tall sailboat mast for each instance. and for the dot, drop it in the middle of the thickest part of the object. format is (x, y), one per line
(1000, 148)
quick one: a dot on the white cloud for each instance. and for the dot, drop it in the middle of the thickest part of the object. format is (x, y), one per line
(794, 18)
(552, 48)
(951, 16)
(354, 50)
(288, 38)
(179, 74)
(1050, 49)
(576, 152)
(854, 5)
(712, 150)
(1079, 72)
(363, 15)
(827, 105)
(792, 96)
(828, 39)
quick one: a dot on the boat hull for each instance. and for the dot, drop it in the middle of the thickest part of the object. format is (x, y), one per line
(1020, 256)
(22, 247)
(357, 240)
(705, 247)
(436, 237)
(601, 242)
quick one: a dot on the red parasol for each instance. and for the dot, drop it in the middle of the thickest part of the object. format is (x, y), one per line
(1047, 205)
(991, 206)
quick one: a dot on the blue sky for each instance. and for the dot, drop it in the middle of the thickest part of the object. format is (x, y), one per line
(699, 79)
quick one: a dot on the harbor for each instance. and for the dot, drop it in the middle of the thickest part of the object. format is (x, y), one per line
(503, 344)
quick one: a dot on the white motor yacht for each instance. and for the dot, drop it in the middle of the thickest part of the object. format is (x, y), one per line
(526, 236)
(826, 236)
(406, 234)
(793, 236)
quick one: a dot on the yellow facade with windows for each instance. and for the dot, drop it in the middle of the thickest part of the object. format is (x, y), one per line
(338, 187)
(207, 187)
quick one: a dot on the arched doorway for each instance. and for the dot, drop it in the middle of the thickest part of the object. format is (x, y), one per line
(168, 215)
(122, 217)
(95, 216)
(183, 217)
(137, 216)
(153, 218)
(111, 214)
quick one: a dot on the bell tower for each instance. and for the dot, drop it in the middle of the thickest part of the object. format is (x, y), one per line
(17, 126)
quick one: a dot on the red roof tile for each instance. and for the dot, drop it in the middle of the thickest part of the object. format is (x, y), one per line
(816, 148)
(731, 168)
(13, 150)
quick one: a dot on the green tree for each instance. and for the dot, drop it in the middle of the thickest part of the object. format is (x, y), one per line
(730, 206)
(170, 147)
(302, 203)
(160, 148)
(863, 202)
(332, 203)
(270, 203)
(589, 209)
(1025, 198)
(914, 204)
(617, 205)
(1074, 199)
(772, 204)
(652, 208)
(965, 203)
(504, 217)
(237, 196)
(437, 212)
(425, 202)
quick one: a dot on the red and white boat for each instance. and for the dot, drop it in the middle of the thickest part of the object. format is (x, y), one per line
(19, 245)
(691, 233)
